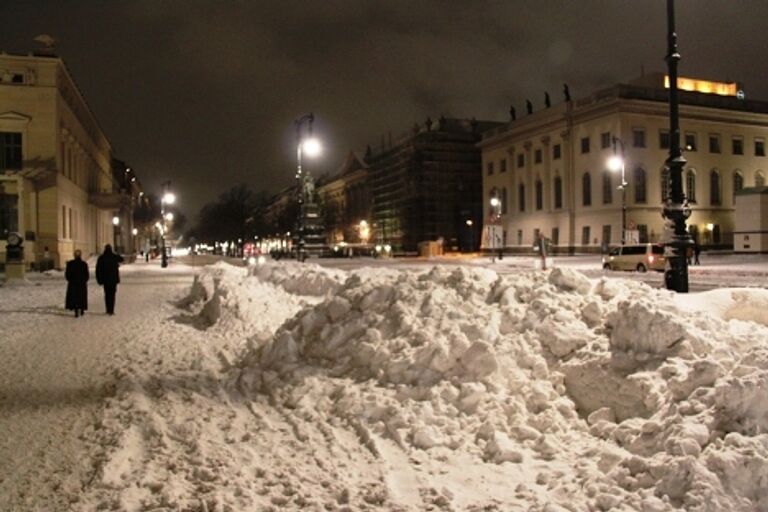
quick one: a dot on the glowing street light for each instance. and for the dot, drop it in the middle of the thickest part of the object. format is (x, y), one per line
(168, 197)
(169, 216)
(617, 163)
(116, 220)
(365, 231)
(311, 147)
(134, 231)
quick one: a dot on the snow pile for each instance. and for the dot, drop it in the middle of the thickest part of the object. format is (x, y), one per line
(608, 393)
(300, 278)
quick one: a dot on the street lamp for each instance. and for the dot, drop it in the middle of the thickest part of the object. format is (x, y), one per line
(469, 224)
(676, 209)
(495, 217)
(167, 198)
(311, 147)
(618, 163)
(365, 231)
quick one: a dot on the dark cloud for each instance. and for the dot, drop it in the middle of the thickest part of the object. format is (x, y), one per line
(205, 93)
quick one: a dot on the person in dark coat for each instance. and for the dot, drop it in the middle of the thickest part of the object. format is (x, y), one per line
(108, 275)
(77, 275)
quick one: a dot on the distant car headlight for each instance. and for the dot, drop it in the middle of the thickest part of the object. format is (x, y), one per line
(261, 260)
(251, 260)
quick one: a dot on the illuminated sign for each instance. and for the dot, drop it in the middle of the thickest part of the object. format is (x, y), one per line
(705, 86)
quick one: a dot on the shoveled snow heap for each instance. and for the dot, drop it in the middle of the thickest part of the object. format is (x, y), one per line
(537, 391)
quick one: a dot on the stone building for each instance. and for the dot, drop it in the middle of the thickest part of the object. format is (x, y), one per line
(548, 170)
(56, 181)
(345, 202)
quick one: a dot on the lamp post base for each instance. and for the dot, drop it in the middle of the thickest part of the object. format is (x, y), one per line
(676, 274)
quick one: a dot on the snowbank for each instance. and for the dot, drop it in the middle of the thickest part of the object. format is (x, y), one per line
(610, 394)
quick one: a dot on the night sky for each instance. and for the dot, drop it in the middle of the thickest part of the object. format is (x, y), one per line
(205, 93)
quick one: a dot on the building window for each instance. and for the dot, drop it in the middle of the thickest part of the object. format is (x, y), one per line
(605, 140)
(737, 146)
(10, 151)
(759, 147)
(519, 237)
(586, 189)
(555, 238)
(690, 186)
(714, 188)
(539, 195)
(759, 179)
(690, 142)
(714, 143)
(537, 156)
(503, 165)
(9, 214)
(642, 233)
(640, 188)
(63, 222)
(556, 152)
(664, 139)
(558, 192)
(585, 235)
(665, 184)
(504, 201)
(521, 197)
(738, 183)
(489, 167)
(607, 188)
(606, 241)
(638, 137)
(520, 160)
(585, 144)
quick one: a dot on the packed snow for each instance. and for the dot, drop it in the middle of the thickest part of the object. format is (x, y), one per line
(297, 387)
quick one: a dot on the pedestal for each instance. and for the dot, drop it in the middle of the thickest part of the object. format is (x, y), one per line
(14, 270)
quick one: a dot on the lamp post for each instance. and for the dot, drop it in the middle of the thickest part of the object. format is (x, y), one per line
(470, 224)
(618, 163)
(676, 209)
(311, 147)
(495, 217)
(167, 198)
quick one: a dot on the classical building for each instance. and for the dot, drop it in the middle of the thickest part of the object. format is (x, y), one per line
(56, 176)
(345, 202)
(548, 170)
(427, 184)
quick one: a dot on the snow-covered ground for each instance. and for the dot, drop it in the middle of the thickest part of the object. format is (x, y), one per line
(399, 385)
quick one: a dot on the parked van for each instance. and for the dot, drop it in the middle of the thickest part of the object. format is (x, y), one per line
(641, 257)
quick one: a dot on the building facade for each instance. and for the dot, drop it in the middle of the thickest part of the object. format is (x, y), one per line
(427, 184)
(345, 202)
(549, 176)
(56, 182)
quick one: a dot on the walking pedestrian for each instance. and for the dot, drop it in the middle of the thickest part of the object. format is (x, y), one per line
(108, 275)
(77, 275)
(696, 252)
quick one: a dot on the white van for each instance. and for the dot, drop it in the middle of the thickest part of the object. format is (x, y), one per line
(640, 257)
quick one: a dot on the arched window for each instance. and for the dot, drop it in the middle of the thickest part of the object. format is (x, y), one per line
(539, 194)
(759, 179)
(640, 188)
(690, 185)
(586, 189)
(607, 188)
(665, 184)
(738, 182)
(558, 192)
(521, 196)
(714, 188)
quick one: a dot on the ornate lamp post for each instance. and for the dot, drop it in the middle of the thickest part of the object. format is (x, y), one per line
(311, 147)
(618, 163)
(495, 219)
(676, 209)
(167, 198)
